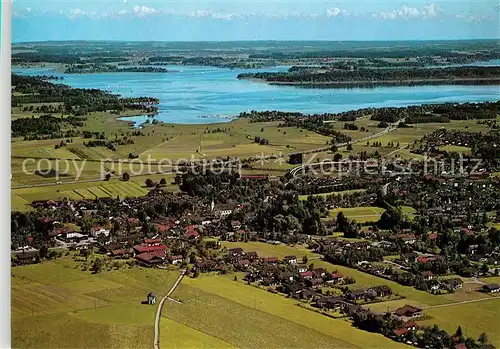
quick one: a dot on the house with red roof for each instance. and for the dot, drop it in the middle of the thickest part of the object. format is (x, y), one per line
(270, 260)
(176, 259)
(151, 258)
(399, 332)
(191, 234)
(97, 230)
(306, 274)
(151, 245)
(427, 275)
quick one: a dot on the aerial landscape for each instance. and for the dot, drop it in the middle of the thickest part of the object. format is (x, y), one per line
(217, 175)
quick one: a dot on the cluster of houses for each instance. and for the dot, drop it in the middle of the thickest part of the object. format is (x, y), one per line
(296, 280)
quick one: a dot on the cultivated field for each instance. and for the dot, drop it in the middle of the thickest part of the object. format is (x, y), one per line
(344, 192)
(249, 317)
(447, 310)
(359, 214)
(56, 305)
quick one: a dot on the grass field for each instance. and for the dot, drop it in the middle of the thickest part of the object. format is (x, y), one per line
(344, 192)
(270, 250)
(359, 214)
(244, 316)
(56, 305)
(21, 198)
(475, 318)
(455, 149)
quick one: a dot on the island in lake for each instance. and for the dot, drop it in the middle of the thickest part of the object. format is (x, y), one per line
(109, 68)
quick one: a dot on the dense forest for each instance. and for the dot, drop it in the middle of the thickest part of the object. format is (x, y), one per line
(74, 104)
(362, 77)
(76, 101)
(109, 68)
(412, 114)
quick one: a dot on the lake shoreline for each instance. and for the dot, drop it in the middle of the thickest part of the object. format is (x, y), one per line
(372, 84)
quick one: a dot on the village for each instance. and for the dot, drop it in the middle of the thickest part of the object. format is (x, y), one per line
(434, 251)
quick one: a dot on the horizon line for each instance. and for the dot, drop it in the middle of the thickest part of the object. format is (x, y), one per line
(252, 40)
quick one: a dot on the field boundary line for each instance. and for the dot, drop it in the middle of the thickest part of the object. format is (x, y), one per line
(160, 307)
(462, 302)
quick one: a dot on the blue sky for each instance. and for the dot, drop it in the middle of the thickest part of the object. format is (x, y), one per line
(254, 20)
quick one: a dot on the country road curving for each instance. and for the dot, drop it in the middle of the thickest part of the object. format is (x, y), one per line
(160, 307)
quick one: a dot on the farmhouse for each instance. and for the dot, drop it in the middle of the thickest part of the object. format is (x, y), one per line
(236, 225)
(329, 302)
(427, 275)
(27, 257)
(491, 288)
(121, 253)
(290, 259)
(97, 231)
(306, 274)
(236, 252)
(408, 311)
(270, 260)
(176, 259)
(150, 258)
(452, 284)
(221, 211)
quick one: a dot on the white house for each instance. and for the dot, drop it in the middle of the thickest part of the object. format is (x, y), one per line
(176, 259)
(302, 268)
(98, 231)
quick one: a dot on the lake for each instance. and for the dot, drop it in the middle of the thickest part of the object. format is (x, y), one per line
(190, 94)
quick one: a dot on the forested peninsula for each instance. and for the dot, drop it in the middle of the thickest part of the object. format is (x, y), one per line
(336, 78)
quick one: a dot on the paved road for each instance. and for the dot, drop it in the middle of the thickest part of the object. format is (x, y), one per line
(160, 306)
(295, 170)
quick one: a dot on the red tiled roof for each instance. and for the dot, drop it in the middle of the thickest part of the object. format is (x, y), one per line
(142, 248)
(176, 257)
(162, 228)
(406, 309)
(336, 275)
(152, 241)
(433, 236)
(191, 233)
(306, 273)
(400, 331)
(427, 273)
(271, 259)
(409, 324)
(148, 256)
(460, 346)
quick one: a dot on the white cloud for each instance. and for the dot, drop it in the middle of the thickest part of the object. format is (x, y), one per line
(76, 12)
(29, 9)
(122, 12)
(142, 11)
(431, 10)
(408, 12)
(212, 14)
(333, 12)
